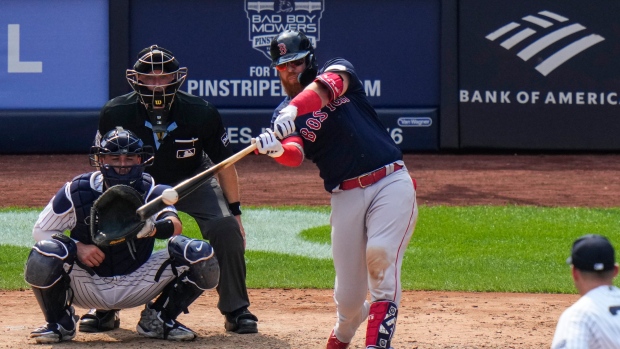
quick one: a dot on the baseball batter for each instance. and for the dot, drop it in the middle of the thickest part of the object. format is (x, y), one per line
(65, 270)
(373, 198)
(593, 322)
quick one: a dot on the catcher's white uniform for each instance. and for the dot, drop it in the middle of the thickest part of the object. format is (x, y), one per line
(593, 322)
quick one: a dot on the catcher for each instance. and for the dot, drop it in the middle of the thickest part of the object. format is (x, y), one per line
(108, 262)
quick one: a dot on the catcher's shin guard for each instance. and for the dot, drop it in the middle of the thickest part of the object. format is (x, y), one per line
(53, 301)
(176, 297)
(47, 271)
(198, 257)
(381, 324)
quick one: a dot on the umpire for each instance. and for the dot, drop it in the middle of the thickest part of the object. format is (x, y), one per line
(189, 137)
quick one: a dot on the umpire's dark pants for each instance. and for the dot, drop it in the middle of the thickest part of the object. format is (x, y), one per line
(208, 206)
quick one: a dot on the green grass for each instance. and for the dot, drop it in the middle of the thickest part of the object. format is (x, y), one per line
(477, 248)
(12, 261)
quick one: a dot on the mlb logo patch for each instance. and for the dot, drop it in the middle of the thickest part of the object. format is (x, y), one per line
(186, 153)
(225, 140)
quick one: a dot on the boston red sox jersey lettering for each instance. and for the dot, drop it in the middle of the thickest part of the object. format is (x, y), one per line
(318, 117)
(349, 148)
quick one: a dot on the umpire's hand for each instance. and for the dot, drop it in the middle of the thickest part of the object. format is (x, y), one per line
(89, 255)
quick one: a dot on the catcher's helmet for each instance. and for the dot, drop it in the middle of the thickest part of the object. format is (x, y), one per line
(121, 142)
(291, 45)
(156, 77)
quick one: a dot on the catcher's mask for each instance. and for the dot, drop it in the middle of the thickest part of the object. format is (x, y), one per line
(292, 45)
(121, 142)
(156, 77)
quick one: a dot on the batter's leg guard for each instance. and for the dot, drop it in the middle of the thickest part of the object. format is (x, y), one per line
(381, 324)
(47, 271)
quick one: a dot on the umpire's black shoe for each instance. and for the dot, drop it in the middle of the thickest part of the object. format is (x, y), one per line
(241, 321)
(100, 320)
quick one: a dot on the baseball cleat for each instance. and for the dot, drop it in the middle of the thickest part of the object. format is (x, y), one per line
(62, 331)
(334, 343)
(100, 320)
(153, 326)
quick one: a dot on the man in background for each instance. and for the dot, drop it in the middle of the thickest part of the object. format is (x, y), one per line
(593, 322)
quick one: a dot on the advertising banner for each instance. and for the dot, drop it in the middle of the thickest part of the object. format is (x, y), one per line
(411, 129)
(53, 54)
(539, 74)
(394, 45)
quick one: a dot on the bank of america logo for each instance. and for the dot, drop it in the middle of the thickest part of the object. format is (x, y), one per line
(514, 33)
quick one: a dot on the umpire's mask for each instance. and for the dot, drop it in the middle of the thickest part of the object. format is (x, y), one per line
(156, 77)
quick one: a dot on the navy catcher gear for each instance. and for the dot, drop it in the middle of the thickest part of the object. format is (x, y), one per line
(291, 45)
(47, 271)
(199, 272)
(156, 77)
(121, 142)
(50, 260)
(199, 257)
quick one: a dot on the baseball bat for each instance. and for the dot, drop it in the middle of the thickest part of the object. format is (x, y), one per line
(187, 186)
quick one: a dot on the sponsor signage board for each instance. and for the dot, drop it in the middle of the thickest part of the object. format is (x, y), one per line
(53, 54)
(411, 129)
(539, 75)
(225, 45)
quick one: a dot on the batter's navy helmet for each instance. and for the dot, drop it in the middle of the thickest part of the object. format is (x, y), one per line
(121, 142)
(291, 45)
(156, 77)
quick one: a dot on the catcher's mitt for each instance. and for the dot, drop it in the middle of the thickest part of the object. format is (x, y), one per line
(113, 217)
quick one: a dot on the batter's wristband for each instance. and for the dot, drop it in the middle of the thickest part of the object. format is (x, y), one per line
(235, 208)
(307, 102)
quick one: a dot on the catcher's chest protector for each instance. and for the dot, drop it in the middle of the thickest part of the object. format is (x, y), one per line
(83, 197)
(119, 260)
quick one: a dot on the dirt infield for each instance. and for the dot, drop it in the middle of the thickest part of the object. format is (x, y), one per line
(303, 318)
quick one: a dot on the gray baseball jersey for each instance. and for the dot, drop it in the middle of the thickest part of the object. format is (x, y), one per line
(593, 322)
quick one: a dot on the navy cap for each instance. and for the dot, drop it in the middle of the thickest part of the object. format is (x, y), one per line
(592, 253)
